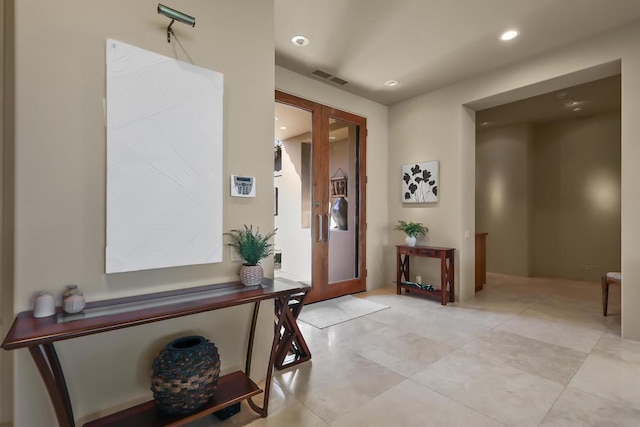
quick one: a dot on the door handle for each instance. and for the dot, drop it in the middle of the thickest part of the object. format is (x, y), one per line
(326, 228)
(319, 228)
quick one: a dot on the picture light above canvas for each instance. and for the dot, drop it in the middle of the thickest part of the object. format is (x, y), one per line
(175, 15)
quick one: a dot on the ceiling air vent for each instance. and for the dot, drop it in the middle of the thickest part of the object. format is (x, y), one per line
(338, 81)
(321, 74)
(326, 76)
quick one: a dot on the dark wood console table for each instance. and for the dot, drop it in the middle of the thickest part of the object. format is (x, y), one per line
(39, 336)
(403, 276)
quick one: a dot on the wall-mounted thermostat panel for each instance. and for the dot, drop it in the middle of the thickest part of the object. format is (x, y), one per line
(243, 186)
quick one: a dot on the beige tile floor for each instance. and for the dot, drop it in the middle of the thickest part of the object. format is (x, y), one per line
(524, 352)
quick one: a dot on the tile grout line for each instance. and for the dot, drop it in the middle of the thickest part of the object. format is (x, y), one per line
(456, 401)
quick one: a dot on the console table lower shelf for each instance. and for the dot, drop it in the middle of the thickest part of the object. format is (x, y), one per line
(435, 295)
(232, 388)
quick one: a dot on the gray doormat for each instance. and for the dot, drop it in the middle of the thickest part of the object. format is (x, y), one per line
(338, 310)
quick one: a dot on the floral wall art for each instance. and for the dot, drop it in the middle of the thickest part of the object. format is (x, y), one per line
(420, 182)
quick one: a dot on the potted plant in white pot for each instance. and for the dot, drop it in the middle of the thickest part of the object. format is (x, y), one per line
(252, 247)
(413, 230)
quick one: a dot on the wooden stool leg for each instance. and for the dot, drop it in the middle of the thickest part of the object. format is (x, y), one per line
(605, 295)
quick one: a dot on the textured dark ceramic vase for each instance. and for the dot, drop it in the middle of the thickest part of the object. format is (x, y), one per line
(185, 374)
(339, 213)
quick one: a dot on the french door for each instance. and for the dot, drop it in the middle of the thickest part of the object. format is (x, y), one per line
(333, 198)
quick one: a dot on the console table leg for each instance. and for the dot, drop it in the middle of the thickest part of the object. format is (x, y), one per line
(283, 302)
(403, 272)
(252, 335)
(398, 274)
(46, 359)
(291, 339)
(452, 296)
(443, 279)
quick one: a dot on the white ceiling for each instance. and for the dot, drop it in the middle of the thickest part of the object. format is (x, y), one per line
(427, 44)
(296, 121)
(573, 102)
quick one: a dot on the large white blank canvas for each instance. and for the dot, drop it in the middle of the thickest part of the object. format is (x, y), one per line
(164, 161)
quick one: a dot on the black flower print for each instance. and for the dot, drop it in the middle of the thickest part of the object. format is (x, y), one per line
(420, 183)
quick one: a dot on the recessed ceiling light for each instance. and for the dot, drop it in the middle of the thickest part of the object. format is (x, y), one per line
(577, 109)
(508, 35)
(283, 128)
(571, 103)
(484, 123)
(300, 41)
(391, 83)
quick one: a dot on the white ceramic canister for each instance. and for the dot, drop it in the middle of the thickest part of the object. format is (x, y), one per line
(44, 305)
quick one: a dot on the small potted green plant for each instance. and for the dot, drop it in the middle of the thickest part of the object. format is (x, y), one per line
(252, 247)
(413, 230)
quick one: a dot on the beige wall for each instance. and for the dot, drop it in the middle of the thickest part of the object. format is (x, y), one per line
(418, 132)
(502, 196)
(60, 182)
(576, 216)
(377, 146)
(441, 125)
(549, 196)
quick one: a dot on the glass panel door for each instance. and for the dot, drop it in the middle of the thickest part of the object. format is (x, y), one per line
(346, 269)
(343, 201)
(320, 199)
